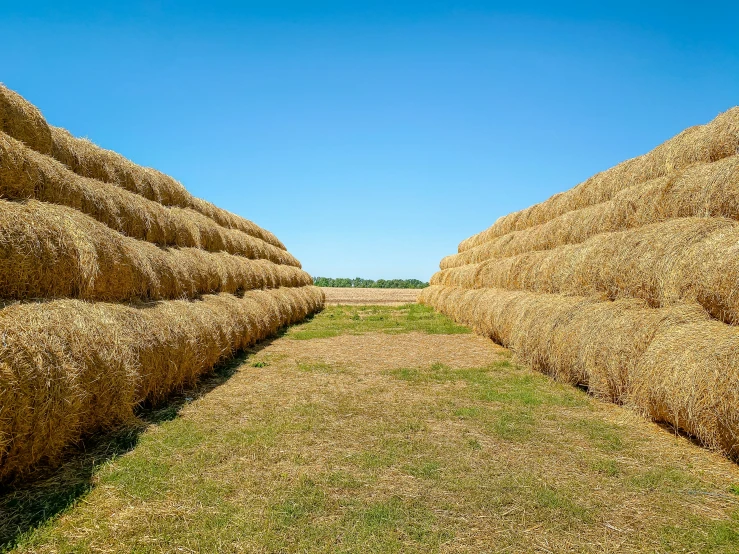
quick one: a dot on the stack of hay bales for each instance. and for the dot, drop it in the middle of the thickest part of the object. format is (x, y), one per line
(627, 284)
(116, 287)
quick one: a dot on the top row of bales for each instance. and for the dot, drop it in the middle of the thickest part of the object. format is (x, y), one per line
(23, 121)
(116, 287)
(696, 145)
(626, 284)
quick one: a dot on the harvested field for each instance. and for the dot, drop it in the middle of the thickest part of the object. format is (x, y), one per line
(391, 440)
(624, 284)
(144, 407)
(380, 297)
(116, 292)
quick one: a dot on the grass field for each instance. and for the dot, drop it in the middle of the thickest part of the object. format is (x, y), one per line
(382, 429)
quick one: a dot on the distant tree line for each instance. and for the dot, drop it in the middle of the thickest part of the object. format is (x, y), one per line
(358, 282)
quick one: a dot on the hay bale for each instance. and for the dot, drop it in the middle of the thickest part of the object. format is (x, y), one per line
(233, 221)
(25, 173)
(50, 251)
(56, 389)
(89, 160)
(704, 190)
(51, 388)
(24, 122)
(689, 377)
(700, 144)
(681, 260)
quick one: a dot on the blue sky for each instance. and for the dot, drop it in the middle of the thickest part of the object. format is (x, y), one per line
(372, 137)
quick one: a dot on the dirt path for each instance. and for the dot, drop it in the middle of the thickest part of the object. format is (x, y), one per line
(399, 441)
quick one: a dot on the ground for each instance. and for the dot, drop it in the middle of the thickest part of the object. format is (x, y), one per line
(383, 429)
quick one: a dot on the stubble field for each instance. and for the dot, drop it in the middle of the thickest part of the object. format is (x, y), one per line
(356, 296)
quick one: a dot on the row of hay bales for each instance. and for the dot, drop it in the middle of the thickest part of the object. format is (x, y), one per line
(699, 144)
(703, 190)
(26, 174)
(627, 284)
(116, 287)
(689, 259)
(50, 251)
(23, 121)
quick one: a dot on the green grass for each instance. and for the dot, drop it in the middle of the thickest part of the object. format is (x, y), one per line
(300, 502)
(356, 320)
(501, 382)
(296, 455)
(696, 536)
(319, 367)
(602, 435)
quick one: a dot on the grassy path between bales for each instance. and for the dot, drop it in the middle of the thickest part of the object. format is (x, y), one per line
(386, 429)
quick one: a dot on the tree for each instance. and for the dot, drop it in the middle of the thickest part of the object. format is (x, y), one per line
(358, 282)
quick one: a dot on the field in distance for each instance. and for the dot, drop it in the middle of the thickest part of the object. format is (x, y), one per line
(373, 296)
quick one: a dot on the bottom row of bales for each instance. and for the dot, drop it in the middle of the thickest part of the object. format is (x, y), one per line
(673, 364)
(69, 368)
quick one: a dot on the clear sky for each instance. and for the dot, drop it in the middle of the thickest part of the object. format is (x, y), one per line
(372, 137)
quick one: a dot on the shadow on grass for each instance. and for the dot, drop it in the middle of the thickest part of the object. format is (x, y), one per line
(47, 492)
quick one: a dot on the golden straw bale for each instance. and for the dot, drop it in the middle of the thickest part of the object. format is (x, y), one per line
(53, 384)
(28, 174)
(597, 344)
(689, 377)
(51, 251)
(233, 221)
(24, 122)
(678, 260)
(25, 173)
(89, 160)
(700, 144)
(56, 389)
(705, 190)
